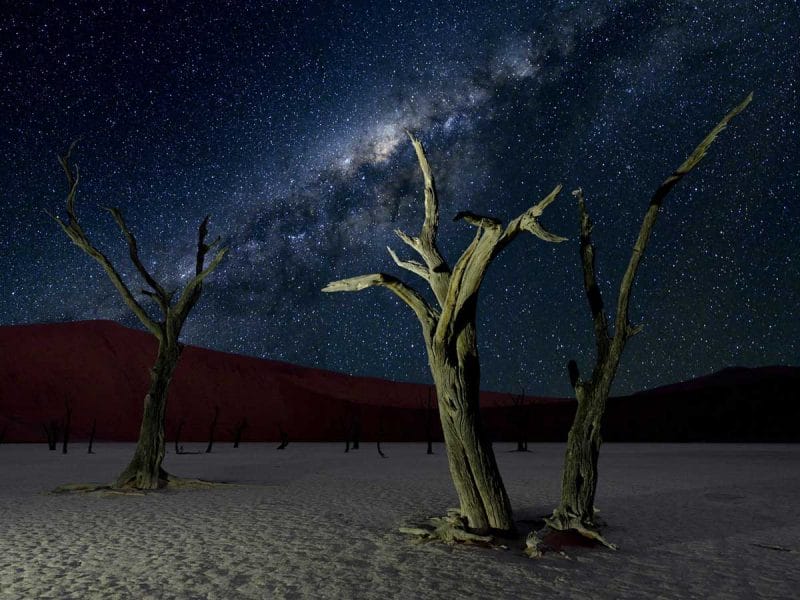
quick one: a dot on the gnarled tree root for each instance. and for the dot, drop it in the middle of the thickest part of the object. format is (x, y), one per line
(536, 543)
(166, 481)
(452, 529)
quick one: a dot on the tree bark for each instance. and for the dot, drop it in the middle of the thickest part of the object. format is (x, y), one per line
(145, 471)
(579, 477)
(473, 468)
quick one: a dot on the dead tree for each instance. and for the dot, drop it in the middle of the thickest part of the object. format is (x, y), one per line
(178, 429)
(284, 438)
(144, 470)
(52, 433)
(519, 414)
(67, 424)
(380, 432)
(91, 435)
(428, 406)
(450, 338)
(212, 429)
(238, 429)
(579, 479)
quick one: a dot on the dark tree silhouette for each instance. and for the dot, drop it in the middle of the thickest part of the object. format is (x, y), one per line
(284, 438)
(67, 424)
(428, 406)
(178, 429)
(450, 335)
(576, 509)
(144, 470)
(52, 433)
(212, 429)
(91, 435)
(519, 415)
(238, 429)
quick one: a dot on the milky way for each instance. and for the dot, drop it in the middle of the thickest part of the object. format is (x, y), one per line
(285, 122)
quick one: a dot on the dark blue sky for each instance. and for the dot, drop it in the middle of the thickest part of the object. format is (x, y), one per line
(284, 122)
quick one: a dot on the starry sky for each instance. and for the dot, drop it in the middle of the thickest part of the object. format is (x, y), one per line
(284, 121)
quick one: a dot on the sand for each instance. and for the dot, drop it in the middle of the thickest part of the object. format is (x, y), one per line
(691, 520)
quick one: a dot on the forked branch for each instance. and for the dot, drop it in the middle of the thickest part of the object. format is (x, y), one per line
(622, 329)
(75, 233)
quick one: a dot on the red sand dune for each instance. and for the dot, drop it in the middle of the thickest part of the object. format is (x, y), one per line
(102, 370)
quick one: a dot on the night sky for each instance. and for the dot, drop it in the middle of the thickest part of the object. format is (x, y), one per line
(284, 121)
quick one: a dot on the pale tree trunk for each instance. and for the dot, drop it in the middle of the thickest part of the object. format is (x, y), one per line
(482, 496)
(450, 339)
(579, 477)
(145, 471)
(576, 509)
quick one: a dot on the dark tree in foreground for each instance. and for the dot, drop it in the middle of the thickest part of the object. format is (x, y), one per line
(450, 338)
(579, 483)
(67, 425)
(144, 470)
(212, 429)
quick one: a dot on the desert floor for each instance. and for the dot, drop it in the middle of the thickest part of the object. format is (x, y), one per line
(691, 521)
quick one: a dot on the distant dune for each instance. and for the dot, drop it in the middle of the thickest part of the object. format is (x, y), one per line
(101, 369)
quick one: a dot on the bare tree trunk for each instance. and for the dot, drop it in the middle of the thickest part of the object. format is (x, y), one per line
(479, 486)
(579, 477)
(238, 430)
(144, 471)
(284, 438)
(91, 435)
(212, 429)
(178, 448)
(67, 424)
(428, 421)
(52, 432)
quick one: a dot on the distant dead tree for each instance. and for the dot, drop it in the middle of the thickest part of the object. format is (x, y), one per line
(352, 425)
(284, 438)
(428, 406)
(212, 429)
(238, 429)
(67, 424)
(178, 429)
(144, 470)
(380, 432)
(52, 433)
(91, 435)
(519, 415)
(450, 338)
(579, 481)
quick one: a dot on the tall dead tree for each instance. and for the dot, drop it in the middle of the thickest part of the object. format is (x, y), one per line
(144, 470)
(451, 341)
(579, 479)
